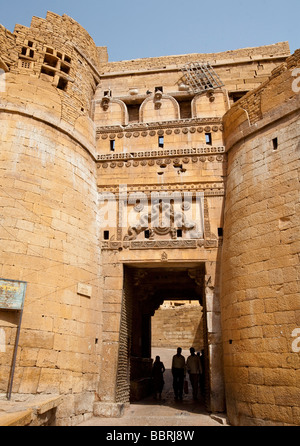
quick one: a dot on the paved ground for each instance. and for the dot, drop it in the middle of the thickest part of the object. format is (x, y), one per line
(164, 412)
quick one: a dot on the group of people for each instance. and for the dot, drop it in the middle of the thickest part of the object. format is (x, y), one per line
(193, 366)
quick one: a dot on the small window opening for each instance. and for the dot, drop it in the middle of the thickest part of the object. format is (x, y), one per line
(23, 52)
(59, 55)
(45, 70)
(185, 109)
(161, 142)
(50, 60)
(65, 68)
(106, 235)
(208, 138)
(107, 93)
(133, 112)
(179, 233)
(30, 44)
(112, 145)
(62, 84)
(159, 89)
(220, 232)
(275, 143)
(147, 233)
(49, 50)
(67, 59)
(31, 53)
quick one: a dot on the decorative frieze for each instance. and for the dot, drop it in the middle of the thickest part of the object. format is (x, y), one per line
(158, 128)
(160, 153)
(208, 188)
(159, 244)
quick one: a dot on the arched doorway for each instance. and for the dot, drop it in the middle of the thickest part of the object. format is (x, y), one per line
(145, 289)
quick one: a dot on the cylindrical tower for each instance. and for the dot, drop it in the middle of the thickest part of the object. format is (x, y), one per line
(260, 264)
(49, 212)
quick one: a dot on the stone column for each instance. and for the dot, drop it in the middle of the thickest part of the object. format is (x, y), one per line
(214, 337)
(106, 405)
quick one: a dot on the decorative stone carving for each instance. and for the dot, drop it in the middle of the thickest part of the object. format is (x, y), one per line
(105, 103)
(164, 257)
(170, 220)
(157, 100)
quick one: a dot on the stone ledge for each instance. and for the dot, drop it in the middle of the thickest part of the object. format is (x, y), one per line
(220, 418)
(108, 410)
(24, 410)
(22, 418)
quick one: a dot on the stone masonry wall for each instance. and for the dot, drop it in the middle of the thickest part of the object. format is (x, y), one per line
(260, 263)
(279, 49)
(48, 200)
(178, 327)
(49, 239)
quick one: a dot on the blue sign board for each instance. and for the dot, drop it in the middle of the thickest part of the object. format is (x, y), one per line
(12, 294)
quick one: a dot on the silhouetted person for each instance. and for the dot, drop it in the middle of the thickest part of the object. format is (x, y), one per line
(178, 372)
(158, 370)
(194, 369)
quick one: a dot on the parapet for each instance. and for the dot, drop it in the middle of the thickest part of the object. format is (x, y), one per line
(275, 51)
(272, 100)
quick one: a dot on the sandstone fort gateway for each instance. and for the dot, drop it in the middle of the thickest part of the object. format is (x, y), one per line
(126, 185)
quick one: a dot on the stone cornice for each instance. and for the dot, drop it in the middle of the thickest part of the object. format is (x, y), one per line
(148, 154)
(196, 124)
(208, 188)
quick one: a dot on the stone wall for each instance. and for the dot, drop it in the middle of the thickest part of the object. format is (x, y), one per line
(260, 263)
(56, 157)
(49, 232)
(178, 327)
(277, 50)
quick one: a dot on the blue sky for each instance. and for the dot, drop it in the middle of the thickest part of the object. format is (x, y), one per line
(150, 28)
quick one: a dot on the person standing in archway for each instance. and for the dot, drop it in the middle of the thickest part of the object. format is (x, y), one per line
(193, 366)
(178, 372)
(158, 378)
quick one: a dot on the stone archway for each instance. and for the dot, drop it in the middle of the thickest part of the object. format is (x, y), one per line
(145, 289)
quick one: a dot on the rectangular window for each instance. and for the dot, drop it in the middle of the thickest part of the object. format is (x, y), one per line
(208, 138)
(220, 232)
(159, 89)
(62, 84)
(161, 142)
(45, 70)
(112, 145)
(179, 233)
(106, 235)
(147, 233)
(50, 60)
(275, 143)
(65, 68)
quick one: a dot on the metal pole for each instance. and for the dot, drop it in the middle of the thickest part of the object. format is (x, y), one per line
(14, 357)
